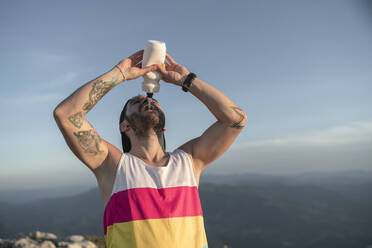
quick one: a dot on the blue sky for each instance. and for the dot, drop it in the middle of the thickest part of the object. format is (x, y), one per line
(301, 70)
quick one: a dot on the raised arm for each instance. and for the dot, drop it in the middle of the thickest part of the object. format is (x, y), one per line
(79, 134)
(220, 135)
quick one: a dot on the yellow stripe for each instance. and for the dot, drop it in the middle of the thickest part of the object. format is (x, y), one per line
(181, 232)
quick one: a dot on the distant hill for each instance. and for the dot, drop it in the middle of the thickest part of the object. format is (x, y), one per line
(27, 195)
(318, 178)
(268, 212)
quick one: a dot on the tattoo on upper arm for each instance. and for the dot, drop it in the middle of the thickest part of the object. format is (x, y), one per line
(239, 112)
(76, 119)
(99, 89)
(89, 140)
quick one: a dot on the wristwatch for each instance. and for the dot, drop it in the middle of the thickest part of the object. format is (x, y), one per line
(187, 83)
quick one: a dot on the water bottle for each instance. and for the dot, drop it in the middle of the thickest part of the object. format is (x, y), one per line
(154, 53)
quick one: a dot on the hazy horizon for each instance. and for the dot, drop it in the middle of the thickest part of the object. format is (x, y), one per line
(299, 69)
(314, 178)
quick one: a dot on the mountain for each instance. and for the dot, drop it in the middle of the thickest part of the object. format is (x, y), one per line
(66, 215)
(32, 194)
(270, 212)
(318, 178)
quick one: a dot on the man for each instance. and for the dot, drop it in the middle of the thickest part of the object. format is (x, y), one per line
(150, 196)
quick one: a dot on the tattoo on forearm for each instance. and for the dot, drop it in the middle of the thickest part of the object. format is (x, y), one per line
(76, 119)
(99, 89)
(89, 140)
(239, 112)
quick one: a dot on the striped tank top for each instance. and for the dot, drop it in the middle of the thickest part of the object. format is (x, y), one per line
(154, 206)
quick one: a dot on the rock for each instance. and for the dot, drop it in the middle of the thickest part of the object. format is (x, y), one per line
(4, 243)
(80, 244)
(87, 244)
(39, 239)
(77, 241)
(63, 244)
(21, 235)
(26, 243)
(47, 244)
(75, 238)
(74, 245)
(37, 235)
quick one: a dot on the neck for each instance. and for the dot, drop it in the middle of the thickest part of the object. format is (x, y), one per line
(147, 147)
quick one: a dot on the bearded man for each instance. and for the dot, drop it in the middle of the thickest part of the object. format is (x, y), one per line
(150, 196)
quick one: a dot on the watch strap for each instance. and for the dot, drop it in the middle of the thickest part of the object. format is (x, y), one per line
(187, 83)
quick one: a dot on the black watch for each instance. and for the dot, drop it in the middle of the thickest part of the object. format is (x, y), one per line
(186, 84)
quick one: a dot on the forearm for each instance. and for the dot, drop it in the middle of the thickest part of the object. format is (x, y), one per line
(225, 110)
(85, 98)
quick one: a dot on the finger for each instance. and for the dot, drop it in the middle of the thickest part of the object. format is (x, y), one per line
(137, 59)
(169, 58)
(139, 62)
(167, 65)
(149, 68)
(161, 69)
(136, 54)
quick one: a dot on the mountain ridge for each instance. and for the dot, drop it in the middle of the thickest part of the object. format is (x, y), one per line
(320, 178)
(262, 214)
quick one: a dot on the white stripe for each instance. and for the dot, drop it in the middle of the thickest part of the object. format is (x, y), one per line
(132, 172)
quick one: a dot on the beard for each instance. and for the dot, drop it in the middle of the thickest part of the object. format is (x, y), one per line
(142, 123)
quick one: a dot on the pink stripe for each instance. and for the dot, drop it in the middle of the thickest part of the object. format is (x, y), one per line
(150, 203)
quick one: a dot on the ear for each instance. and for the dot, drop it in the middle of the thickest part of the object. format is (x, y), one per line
(124, 126)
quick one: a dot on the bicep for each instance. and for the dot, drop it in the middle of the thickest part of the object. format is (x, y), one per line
(211, 144)
(83, 140)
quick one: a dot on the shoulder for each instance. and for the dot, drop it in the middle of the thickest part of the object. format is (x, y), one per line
(179, 153)
(188, 156)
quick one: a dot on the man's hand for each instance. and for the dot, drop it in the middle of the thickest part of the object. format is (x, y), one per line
(132, 66)
(172, 73)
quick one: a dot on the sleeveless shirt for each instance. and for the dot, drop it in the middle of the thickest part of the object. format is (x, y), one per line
(154, 206)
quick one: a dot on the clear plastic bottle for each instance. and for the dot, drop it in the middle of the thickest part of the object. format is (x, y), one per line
(154, 53)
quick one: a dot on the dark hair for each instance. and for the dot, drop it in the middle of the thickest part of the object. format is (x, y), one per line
(125, 141)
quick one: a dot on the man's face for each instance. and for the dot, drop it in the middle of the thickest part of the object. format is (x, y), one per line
(142, 116)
